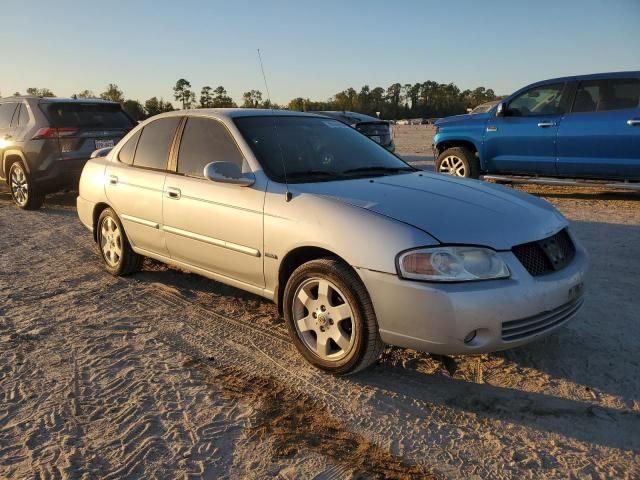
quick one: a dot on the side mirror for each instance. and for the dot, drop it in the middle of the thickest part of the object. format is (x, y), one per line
(101, 152)
(228, 172)
(501, 110)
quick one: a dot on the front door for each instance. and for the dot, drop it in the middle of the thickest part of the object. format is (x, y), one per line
(135, 182)
(523, 141)
(600, 137)
(214, 226)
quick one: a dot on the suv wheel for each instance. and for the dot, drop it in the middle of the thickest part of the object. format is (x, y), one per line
(117, 254)
(459, 162)
(24, 193)
(330, 317)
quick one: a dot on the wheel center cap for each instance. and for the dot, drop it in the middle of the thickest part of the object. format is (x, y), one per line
(322, 319)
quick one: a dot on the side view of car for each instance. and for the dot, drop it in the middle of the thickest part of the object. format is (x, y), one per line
(585, 127)
(377, 130)
(345, 237)
(45, 142)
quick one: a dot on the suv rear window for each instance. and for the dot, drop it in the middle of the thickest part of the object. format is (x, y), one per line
(86, 115)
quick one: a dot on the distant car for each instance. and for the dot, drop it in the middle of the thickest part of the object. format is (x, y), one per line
(374, 128)
(484, 107)
(585, 127)
(357, 248)
(45, 142)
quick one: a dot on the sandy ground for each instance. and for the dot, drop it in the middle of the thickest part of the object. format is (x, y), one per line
(168, 375)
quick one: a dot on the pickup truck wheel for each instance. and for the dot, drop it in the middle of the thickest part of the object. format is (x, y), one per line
(459, 162)
(24, 193)
(117, 254)
(330, 317)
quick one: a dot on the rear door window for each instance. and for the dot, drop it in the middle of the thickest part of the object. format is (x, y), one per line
(605, 95)
(155, 143)
(126, 153)
(205, 141)
(86, 115)
(6, 114)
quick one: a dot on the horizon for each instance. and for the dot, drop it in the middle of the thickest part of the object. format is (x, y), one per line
(499, 46)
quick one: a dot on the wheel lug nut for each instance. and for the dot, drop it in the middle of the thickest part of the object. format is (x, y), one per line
(322, 308)
(322, 329)
(314, 315)
(330, 322)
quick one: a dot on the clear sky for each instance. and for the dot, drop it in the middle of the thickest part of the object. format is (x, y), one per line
(311, 48)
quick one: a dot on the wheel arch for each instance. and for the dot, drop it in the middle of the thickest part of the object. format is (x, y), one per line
(97, 210)
(468, 144)
(9, 158)
(292, 260)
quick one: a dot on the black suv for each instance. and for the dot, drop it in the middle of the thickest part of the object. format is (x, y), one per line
(45, 142)
(374, 128)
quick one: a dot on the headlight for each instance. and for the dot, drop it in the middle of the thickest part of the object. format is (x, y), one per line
(452, 264)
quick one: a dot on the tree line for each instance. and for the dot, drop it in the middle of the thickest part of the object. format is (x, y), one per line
(426, 99)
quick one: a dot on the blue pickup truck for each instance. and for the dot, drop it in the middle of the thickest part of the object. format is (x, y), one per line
(583, 127)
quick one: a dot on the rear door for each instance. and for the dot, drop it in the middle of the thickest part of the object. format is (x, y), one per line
(211, 225)
(600, 137)
(135, 182)
(523, 141)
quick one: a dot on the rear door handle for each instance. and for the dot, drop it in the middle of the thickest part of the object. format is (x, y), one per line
(546, 124)
(633, 122)
(7, 136)
(173, 193)
(113, 179)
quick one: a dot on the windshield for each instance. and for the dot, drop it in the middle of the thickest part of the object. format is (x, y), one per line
(315, 149)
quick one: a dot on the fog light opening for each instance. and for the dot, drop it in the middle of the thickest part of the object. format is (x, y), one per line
(470, 336)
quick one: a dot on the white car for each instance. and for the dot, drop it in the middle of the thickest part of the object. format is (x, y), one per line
(357, 248)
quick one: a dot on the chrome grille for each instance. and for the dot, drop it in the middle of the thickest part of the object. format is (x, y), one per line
(546, 255)
(537, 324)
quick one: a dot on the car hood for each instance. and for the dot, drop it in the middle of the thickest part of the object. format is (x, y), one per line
(450, 209)
(462, 118)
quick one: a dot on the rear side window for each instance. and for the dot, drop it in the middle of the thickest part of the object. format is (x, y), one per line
(155, 143)
(6, 114)
(541, 100)
(24, 116)
(205, 141)
(125, 155)
(86, 115)
(605, 95)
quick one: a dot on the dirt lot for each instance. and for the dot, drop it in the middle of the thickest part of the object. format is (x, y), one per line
(168, 375)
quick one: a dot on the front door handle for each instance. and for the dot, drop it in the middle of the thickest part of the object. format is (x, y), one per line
(7, 136)
(546, 124)
(113, 179)
(173, 193)
(633, 122)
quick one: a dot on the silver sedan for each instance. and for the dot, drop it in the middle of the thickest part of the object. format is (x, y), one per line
(357, 248)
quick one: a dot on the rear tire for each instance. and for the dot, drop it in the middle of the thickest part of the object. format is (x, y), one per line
(24, 192)
(459, 162)
(330, 317)
(118, 256)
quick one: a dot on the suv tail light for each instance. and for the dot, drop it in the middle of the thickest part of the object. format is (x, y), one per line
(49, 132)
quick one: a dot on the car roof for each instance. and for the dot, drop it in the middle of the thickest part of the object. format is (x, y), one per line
(234, 113)
(591, 76)
(18, 98)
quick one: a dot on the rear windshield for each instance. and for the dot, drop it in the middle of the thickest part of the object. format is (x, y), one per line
(86, 115)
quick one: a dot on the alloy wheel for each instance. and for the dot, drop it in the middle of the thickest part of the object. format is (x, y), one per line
(324, 319)
(19, 185)
(110, 241)
(453, 166)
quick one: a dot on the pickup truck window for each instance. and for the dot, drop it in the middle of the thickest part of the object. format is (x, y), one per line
(541, 100)
(604, 95)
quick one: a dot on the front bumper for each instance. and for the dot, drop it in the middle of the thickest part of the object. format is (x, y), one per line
(436, 317)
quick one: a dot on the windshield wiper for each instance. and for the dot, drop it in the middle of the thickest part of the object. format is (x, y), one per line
(377, 170)
(313, 174)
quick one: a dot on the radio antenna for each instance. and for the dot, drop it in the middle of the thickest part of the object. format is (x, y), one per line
(288, 195)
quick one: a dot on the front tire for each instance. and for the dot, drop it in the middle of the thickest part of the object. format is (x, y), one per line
(330, 317)
(118, 256)
(459, 162)
(23, 191)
